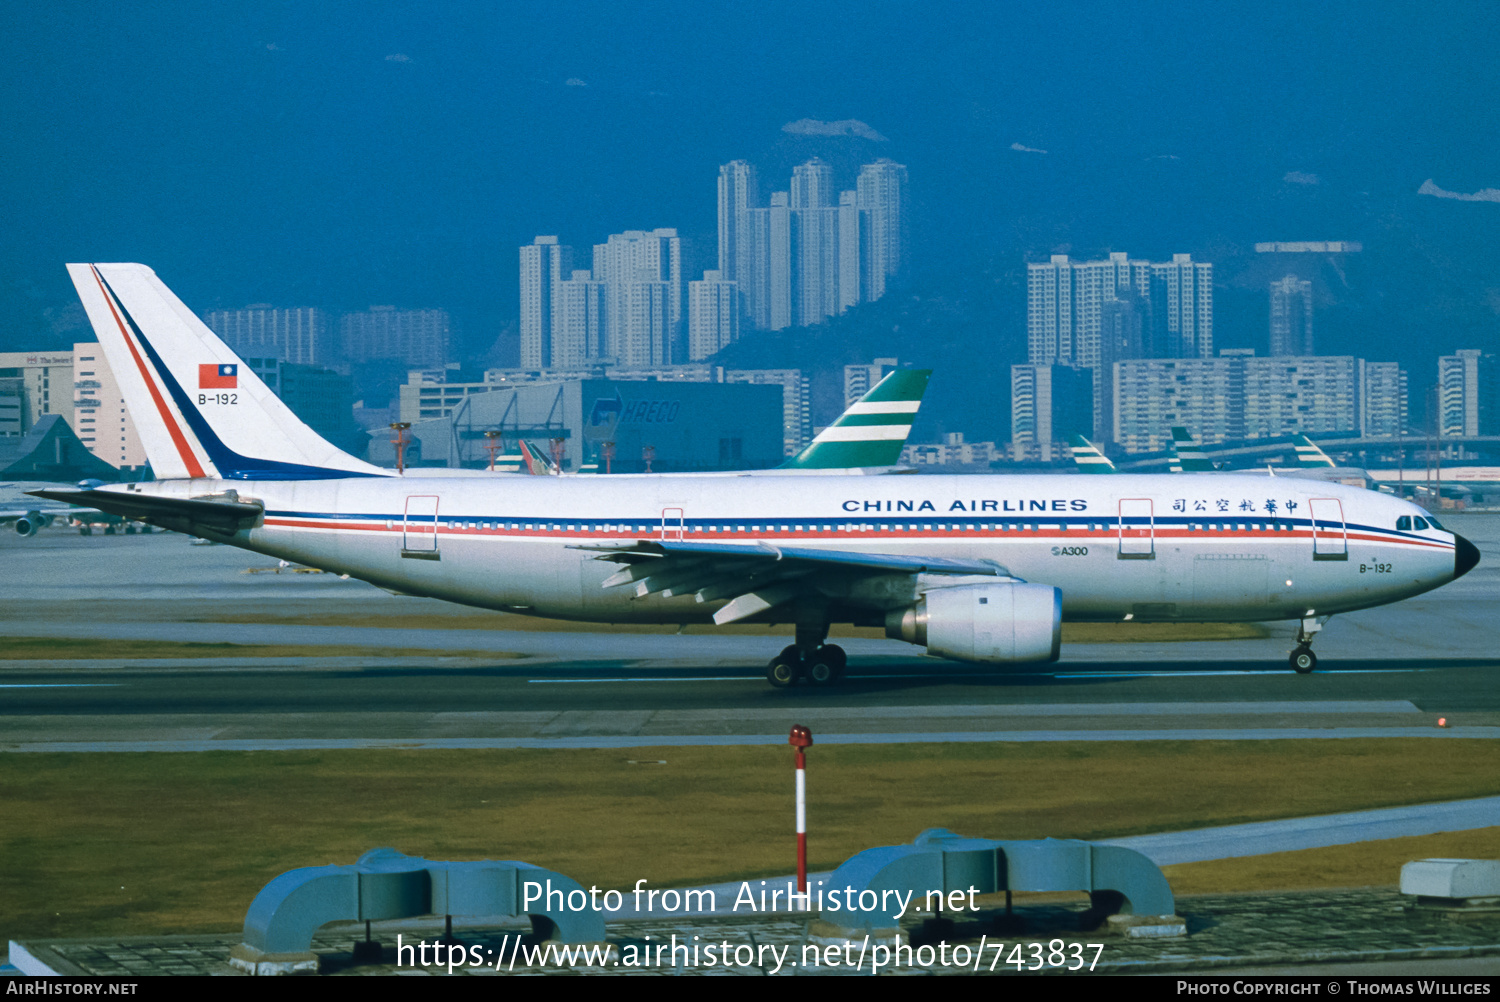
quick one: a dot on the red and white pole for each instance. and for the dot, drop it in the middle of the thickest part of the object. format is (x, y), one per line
(801, 739)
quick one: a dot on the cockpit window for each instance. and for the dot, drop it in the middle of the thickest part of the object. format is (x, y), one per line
(1403, 524)
(1433, 522)
(1421, 523)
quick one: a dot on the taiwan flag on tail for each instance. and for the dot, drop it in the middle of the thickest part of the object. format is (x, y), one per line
(218, 377)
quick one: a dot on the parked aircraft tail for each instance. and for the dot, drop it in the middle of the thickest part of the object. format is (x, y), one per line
(1187, 454)
(533, 461)
(1309, 456)
(872, 432)
(199, 410)
(1087, 457)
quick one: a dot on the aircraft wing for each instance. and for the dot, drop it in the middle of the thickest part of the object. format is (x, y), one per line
(224, 513)
(26, 514)
(759, 577)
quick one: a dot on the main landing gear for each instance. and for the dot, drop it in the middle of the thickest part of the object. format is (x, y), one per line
(824, 665)
(808, 660)
(1302, 659)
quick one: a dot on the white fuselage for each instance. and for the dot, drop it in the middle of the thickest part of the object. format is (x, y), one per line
(1140, 547)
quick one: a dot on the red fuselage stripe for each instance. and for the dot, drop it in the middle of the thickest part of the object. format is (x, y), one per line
(398, 524)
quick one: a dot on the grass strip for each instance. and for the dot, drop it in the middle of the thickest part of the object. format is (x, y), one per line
(146, 843)
(1362, 864)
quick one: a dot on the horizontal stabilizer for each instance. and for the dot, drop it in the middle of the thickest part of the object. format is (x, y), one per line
(222, 514)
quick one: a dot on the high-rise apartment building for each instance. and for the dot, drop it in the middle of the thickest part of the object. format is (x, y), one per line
(883, 199)
(626, 309)
(713, 315)
(1203, 395)
(1048, 403)
(100, 417)
(1291, 317)
(303, 336)
(1469, 393)
(1239, 396)
(643, 273)
(1182, 306)
(581, 322)
(812, 251)
(1385, 400)
(815, 237)
(781, 283)
(1095, 313)
(861, 379)
(815, 231)
(853, 235)
(812, 185)
(418, 338)
(1285, 395)
(1065, 305)
(739, 192)
(544, 265)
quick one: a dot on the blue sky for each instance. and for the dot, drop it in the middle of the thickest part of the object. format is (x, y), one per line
(349, 154)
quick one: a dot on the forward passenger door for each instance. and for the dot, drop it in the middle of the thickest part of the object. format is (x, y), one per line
(1137, 530)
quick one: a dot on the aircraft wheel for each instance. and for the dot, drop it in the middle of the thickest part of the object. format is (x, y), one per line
(109, 530)
(130, 530)
(1303, 660)
(780, 673)
(85, 531)
(820, 671)
(835, 656)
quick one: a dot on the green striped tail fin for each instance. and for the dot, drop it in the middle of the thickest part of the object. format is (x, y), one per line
(1309, 456)
(1088, 458)
(1188, 453)
(873, 431)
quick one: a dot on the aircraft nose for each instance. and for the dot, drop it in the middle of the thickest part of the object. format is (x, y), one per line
(1465, 556)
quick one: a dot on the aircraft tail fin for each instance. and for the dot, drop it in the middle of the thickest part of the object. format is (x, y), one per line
(1087, 457)
(1309, 456)
(1188, 453)
(873, 431)
(534, 460)
(199, 410)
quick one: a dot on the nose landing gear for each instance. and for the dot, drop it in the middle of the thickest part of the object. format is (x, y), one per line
(1302, 659)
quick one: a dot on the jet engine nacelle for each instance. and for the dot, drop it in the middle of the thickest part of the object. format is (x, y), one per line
(1007, 621)
(28, 524)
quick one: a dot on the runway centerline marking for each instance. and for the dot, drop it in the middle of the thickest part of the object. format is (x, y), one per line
(575, 681)
(1266, 672)
(61, 685)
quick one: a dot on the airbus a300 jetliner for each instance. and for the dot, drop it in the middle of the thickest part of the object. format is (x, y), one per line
(974, 568)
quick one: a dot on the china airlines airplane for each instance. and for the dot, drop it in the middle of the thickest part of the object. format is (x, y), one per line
(974, 568)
